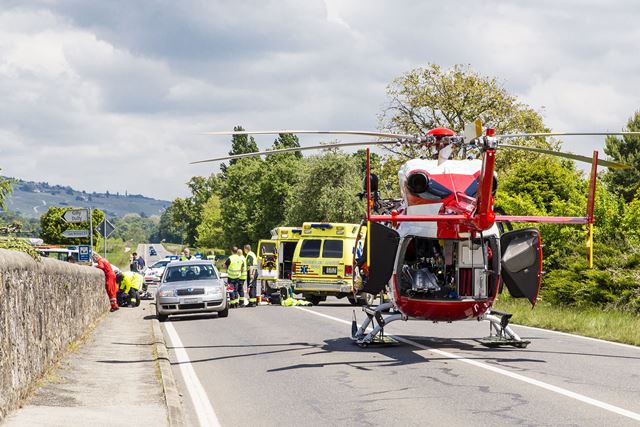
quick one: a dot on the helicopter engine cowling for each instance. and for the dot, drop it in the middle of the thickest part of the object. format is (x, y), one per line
(417, 183)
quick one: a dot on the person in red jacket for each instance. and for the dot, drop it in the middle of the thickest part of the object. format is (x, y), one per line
(109, 279)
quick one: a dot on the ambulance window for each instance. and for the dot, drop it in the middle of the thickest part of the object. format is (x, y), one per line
(310, 248)
(332, 249)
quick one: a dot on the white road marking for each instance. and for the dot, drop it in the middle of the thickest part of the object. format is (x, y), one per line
(206, 415)
(537, 383)
(634, 347)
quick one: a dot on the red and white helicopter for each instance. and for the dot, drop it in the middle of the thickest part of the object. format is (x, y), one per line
(440, 255)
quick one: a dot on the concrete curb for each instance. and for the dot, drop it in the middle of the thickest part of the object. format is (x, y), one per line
(175, 411)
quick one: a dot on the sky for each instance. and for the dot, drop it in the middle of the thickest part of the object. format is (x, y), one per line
(115, 95)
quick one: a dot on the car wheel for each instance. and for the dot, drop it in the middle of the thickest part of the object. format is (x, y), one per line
(224, 313)
(314, 299)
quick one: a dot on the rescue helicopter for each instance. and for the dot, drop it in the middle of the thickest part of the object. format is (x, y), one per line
(440, 253)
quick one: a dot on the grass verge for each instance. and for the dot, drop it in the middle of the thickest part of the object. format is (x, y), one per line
(610, 325)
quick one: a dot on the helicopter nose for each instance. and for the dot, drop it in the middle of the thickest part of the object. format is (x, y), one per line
(418, 183)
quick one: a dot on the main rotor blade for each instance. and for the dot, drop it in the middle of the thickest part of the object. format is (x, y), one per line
(317, 132)
(290, 150)
(546, 134)
(571, 156)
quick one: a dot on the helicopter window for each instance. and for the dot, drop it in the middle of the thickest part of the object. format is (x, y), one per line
(332, 249)
(310, 248)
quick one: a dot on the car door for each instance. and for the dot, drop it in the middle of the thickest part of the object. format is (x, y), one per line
(521, 263)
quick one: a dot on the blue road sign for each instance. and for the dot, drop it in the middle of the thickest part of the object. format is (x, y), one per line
(84, 253)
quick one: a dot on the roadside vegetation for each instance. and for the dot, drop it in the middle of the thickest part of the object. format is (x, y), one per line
(612, 325)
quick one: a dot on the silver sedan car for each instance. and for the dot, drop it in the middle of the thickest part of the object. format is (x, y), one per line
(191, 287)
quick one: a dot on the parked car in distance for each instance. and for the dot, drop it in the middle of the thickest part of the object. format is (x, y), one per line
(190, 287)
(153, 274)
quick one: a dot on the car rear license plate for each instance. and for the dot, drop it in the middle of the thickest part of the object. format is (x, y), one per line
(330, 270)
(191, 301)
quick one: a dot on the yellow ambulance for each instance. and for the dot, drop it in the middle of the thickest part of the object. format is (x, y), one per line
(275, 258)
(323, 261)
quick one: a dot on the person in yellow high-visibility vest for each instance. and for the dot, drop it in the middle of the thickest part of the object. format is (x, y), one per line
(236, 272)
(251, 261)
(129, 284)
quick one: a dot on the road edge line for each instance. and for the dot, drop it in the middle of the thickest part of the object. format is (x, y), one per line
(175, 411)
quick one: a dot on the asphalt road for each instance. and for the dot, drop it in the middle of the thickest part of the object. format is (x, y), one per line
(143, 250)
(273, 365)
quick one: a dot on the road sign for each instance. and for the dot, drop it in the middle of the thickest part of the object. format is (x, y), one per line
(105, 228)
(74, 216)
(84, 253)
(75, 234)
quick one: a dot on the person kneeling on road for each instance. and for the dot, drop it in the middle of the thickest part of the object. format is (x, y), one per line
(129, 284)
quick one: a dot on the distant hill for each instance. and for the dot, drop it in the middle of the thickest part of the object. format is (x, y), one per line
(32, 199)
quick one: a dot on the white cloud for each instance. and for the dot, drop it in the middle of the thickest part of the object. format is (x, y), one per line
(114, 95)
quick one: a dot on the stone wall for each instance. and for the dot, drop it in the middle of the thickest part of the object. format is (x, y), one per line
(44, 306)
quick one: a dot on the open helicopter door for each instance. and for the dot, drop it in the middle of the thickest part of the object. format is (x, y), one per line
(380, 255)
(522, 263)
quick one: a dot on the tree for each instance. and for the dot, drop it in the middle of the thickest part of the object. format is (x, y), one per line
(427, 98)
(239, 194)
(187, 213)
(168, 230)
(240, 144)
(210, 229)
(327, 190)
(5, 190)
(135, 227)
(625, 182)
(52, 225)
(287, 140)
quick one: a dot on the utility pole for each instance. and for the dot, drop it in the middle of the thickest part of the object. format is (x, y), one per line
(90, 231)
(105, 236)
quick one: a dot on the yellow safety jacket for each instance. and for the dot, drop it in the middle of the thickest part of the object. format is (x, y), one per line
(237, 267)
(130, 281)
(251, 261)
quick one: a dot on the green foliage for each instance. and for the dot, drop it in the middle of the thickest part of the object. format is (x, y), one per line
(186, 213)
(168, 230)
(135, 227)
(430, 97)
(631, 220)
(52, 225)
(15, 244)
(209, 231)
(5, 190)
(625, 182)
(327, 190)
(239, 193)
(240, 144)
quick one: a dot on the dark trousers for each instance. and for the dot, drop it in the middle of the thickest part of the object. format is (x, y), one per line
(131, 299)
(238, 289)
(252, 285)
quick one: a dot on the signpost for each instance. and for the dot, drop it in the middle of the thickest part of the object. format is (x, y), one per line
(75, 234)
(105, 228)
(84, 253)
(74, 216)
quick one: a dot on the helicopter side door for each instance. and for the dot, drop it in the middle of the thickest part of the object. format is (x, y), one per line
(382, 244)
(521, 263)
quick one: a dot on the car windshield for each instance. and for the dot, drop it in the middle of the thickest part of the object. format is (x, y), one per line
(182, 273)
(160, 264)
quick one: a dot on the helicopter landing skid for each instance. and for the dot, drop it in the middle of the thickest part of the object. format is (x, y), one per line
(376, 335)
(500, 333)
